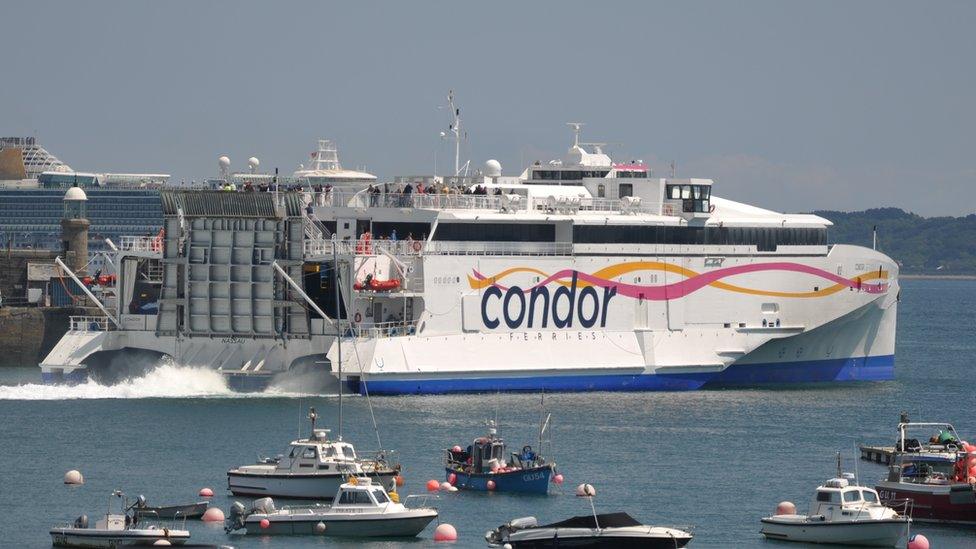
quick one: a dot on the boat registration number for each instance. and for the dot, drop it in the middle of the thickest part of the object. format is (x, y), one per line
(529, 477)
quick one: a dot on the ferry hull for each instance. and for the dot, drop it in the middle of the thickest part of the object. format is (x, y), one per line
(873, 368)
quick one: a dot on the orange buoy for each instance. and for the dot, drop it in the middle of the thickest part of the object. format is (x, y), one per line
(399, 481)
(433, 485)
(265, 524)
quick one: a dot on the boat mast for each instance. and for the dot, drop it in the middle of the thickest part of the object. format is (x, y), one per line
(455, 128)
(335, 259)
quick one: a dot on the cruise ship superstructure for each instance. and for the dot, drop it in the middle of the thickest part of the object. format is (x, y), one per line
(578, 274)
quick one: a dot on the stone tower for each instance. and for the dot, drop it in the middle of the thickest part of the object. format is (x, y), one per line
(74, 229)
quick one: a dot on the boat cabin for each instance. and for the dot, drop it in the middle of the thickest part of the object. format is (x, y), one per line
(360, 493)
(318, 452)
(837, 498)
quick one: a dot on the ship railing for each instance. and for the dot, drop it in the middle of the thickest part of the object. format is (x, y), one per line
(412, 247)
(493, 202)
(88, 324)
(376, 330)
(142, 243)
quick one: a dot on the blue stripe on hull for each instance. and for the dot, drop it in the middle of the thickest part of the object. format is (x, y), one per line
(875, 368)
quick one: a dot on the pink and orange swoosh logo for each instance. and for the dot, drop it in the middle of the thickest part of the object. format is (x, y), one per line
(693, 281)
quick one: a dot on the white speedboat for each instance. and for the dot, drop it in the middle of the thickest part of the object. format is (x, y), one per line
(842, 513)
(116, 530)
(361, 508)
(313, 468)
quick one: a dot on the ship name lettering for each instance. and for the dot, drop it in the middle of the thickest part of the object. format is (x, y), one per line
(567, 304)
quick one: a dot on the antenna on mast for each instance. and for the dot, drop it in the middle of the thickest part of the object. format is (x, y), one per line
(455, 128)
(577, 129)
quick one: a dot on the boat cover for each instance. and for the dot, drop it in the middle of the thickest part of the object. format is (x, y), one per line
(607, 520)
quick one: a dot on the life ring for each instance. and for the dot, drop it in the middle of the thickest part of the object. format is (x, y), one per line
(417, 245)
(358, 318)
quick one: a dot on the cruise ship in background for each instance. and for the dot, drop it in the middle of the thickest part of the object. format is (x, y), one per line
(32, 186)
(578, 274)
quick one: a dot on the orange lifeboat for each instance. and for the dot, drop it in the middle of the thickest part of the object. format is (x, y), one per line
(373, 285)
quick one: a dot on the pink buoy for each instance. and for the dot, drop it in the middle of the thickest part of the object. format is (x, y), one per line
(73, 477)
(445, 486)
(786, 508)
(491, 485)
(452, 479)
(433, 485)
(265, 524)
(558, 479)
(445, 532)
(456, 449)
(585, 491)
(206, 492)
(213, 514)
(918, 541)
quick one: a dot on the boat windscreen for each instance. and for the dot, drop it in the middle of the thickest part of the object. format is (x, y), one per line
(608, 520)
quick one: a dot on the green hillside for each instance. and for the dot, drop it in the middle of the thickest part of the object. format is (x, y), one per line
(921, 245)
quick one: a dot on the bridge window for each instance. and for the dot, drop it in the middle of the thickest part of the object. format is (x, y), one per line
(764, 238)
(496, 232)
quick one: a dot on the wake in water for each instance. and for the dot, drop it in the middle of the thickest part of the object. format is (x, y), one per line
(164, 381)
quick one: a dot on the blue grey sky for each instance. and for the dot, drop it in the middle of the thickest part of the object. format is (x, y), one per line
(788, 105)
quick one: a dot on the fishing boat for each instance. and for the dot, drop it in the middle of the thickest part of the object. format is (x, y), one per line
(486, 465)
(844, 513)
(312, 468)
(612, 530)
(914, 441)
(361, 508)
(939, 491)
(119, 529)
(189, 510)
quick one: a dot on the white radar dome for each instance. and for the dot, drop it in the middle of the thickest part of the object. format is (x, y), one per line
(75, 193)
(493, 168)
(253, 162)
(224, 161)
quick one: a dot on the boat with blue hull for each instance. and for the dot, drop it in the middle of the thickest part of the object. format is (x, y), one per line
(487, 466)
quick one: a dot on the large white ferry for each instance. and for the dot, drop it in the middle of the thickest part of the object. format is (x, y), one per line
(578, 274)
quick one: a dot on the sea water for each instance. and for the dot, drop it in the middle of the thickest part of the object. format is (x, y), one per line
(715, 460)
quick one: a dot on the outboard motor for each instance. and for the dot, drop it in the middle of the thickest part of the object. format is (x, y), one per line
(81, 522)
(237, 515)
(263, 505)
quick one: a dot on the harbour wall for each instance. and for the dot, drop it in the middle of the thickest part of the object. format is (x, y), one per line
(27, 334)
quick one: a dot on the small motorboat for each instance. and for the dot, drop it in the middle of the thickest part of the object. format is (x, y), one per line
(361, 509)
(313, 468)
(842, 512)
(190, 510)
(611, 530)
(913, 441)
(486, 466)
(117, 530)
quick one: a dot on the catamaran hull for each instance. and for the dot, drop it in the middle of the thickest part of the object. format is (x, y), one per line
(295, 486)
(409, 526)
(874, 533)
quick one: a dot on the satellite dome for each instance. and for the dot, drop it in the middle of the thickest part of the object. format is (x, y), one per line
(253, 162)
(224, 161)
(75, 193)
(493, 168)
